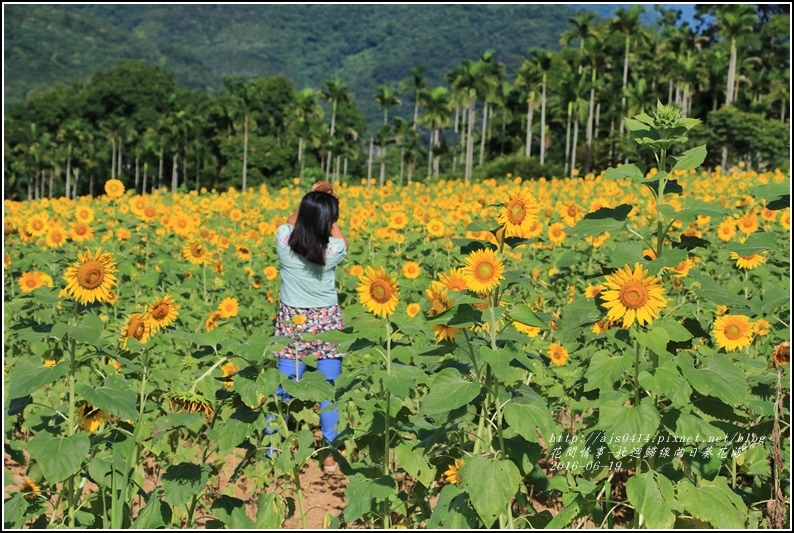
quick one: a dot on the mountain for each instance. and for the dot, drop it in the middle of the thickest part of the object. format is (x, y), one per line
(365, 45)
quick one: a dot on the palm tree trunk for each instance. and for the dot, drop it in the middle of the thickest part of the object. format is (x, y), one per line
(588, 152)
(470, 143)
(118, 166)
(137, 172)
(567, 139)
(68, 172)
(52, 180)
(437, 159)
(245, 151)
(174, 173)
(530, 113)
(369, 162)
(485, 110)
(145, 171)
(113, 159)
(300, 160)
(402, 164)
(575, 141)
(543, 126)
(76, 179)
(160, 175)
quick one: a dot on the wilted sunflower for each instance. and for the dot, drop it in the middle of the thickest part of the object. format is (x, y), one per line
(378, 292)
(195, 252)
(633, 296)
(190, 402)
(483, 270)
(228, 307)
(520, 210)
(558, 354)
(30, 489)
(411, 270)
(782, 354)
(212, 320)
(747, 262)
(733, 332)
(114, 188)
(91, 277)
(137, 327)
(452, 474)
(163, 312)
(91, 418)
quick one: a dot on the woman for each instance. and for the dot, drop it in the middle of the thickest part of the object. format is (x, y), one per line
(309, 247)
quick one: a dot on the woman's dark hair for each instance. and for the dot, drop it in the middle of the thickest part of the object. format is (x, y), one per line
(316, 215)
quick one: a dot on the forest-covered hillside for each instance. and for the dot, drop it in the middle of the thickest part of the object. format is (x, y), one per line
(364, 45)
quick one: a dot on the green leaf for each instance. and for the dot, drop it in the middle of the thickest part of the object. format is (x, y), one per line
(626, 253)
(28, 376)
(114, 396)
(757, 243)
(655, 339)
(415, 463)
(712, 292)
(772, 191)
(688, 424)
(448, 391)
(690, 159)
(605, 369)
(254, 387)
(312, 387)
(241, 424)
(155, 514)
(616, 419)
(604, 219)
(525, 417)
(453, 511)
(713, 502)
(231, 511)
(491, 484)
(88, 330)
(574, 316)
(183, 481)
(362, 491)
(523, 314)
(255, 347)
(59, 456)
(499, 360)
(718, 377)
(650, 493)
(633, 171)
(568, 514)
(14, 511)
(676, 331)
(271, 510)
(668, 381)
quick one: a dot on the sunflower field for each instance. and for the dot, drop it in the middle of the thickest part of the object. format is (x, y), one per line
(613, 347)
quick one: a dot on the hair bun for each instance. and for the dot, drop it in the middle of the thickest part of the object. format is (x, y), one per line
(323, 186)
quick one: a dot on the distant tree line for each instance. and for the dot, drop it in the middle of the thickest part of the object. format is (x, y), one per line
(560, 114)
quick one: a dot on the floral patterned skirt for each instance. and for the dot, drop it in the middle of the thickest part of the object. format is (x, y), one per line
(292, 321)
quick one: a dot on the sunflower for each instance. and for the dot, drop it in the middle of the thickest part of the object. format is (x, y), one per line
(56, 238)
(91, 418)
(558, 354)
(356, 270)
(228, 307)
(190, 402)
(229, 368)
(195, 252)
(452, 474)
(411, 270)
(412, 310)
(530, 331)
(271, 272)
(181, 224)
(534, 230)
(733, 332)
(80, 231)
(30, 489)
(633, 296)
(91, 277)
(243, 252)
(212, 320)
(114, 188)
(36, 225)
(137, 327)
(455, 280)
(435, 228)
(398, 221)
(761, 327)
(557, 233)
(439, 302)
(748, 262)
(785, 220)
(591, 291)
(571, 213)
(378, 292)
(782, 354)
(162, 313)
(483, 270)
(298, 320)
(149, 212)
(519, 212)
(748, 224)
(30, 281)
(236, 214)
(84, 214)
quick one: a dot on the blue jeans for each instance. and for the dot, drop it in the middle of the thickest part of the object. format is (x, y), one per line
(330, 368)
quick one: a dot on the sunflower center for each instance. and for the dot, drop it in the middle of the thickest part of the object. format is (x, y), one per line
(633, 295)
(91, 274)
(32, 283)
(380, 291)
(160, 312)
(37, 225)
(516, 212)
(571, 211)
(197, 251)
(484, 271)
(733, 331)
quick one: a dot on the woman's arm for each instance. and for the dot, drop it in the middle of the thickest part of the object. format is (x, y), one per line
(337, 232)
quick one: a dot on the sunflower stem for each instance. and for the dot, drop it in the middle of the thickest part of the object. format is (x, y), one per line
(204, 280)
(386, 518)
(70, 500)
(218, 363)
(637, 371)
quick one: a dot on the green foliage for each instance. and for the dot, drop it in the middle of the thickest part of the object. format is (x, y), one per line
(528, 168)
